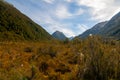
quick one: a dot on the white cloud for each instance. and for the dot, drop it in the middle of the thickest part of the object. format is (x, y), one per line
(69, 0)
(62, 12)
(57, 26)
(49, 20)
(49, 1)
(51, 25)
(68, 32)
(79, 12)
(100, 9)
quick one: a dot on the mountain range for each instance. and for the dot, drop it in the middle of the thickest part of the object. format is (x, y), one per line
(14, 25)
(109, 28)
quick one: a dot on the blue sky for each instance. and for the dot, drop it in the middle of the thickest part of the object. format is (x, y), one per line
(72, 17)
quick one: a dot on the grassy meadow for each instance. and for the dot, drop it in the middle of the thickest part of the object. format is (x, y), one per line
(91, 59)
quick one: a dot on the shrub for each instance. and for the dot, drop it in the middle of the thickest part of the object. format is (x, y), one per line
(43, 67)
(28, 49)
(62, 69)
(47, 51)
(53, 77)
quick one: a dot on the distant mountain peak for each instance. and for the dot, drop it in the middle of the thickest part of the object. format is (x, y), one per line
(71, 38)
(58, 32)
(59, 35)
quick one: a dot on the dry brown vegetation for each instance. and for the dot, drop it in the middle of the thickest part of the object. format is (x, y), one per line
(91, 59)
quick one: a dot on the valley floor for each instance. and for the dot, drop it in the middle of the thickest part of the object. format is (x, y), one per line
(91, 59)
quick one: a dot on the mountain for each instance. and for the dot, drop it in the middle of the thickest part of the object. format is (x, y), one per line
(59, 35)
(16, 26)
(70, 38)
(94, 30)
(109, 28)
(112, 28)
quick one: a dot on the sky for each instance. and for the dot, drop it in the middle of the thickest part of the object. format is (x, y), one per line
(72, 17)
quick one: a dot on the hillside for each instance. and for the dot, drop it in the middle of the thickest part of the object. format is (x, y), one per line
(112, 28)
(94, 30)
(16, 26)
(107, 29)
(59, 35)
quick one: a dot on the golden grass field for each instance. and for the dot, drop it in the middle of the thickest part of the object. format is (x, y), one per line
(91, 59)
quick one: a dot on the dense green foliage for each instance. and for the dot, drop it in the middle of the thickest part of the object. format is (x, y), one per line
(16, 26)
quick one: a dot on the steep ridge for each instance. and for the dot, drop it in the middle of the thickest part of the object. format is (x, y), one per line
(16, 26)
(94, 30)
(107, 29)
(112, 28)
